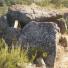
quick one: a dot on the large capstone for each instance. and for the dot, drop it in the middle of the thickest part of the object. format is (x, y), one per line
(25, 14)
(40, 35)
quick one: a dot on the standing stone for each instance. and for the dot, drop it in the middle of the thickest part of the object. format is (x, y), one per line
(25, 14)
(3, 25)
(41, 35)
(3, 22)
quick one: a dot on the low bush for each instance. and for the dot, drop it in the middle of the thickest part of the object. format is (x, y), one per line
(10, 60)
(43, 3)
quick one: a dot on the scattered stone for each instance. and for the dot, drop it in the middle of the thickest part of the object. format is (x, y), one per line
(40, 62)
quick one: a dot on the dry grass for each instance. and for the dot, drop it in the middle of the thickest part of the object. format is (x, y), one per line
(3, 10)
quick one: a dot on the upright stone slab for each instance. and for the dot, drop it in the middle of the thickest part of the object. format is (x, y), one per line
(11, 36)
(41, 35)
(3, 25)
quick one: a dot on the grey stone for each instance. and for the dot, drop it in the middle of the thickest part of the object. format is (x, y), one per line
(3, 22)
(11, 36)
(3, 25)
(25, 14)
(40, 35)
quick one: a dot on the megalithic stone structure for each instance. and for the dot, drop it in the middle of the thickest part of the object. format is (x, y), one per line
(41, 35)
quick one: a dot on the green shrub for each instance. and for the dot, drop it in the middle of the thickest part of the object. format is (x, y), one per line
(3, 10)
(43, 2)
(10, 60)
(57, 3)
(65, 3)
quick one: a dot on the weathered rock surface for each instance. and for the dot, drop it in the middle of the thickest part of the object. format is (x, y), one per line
(41, 35)
(26, 14)
(3, 22)
(11, 35)
(3, 25)
(39, 32)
